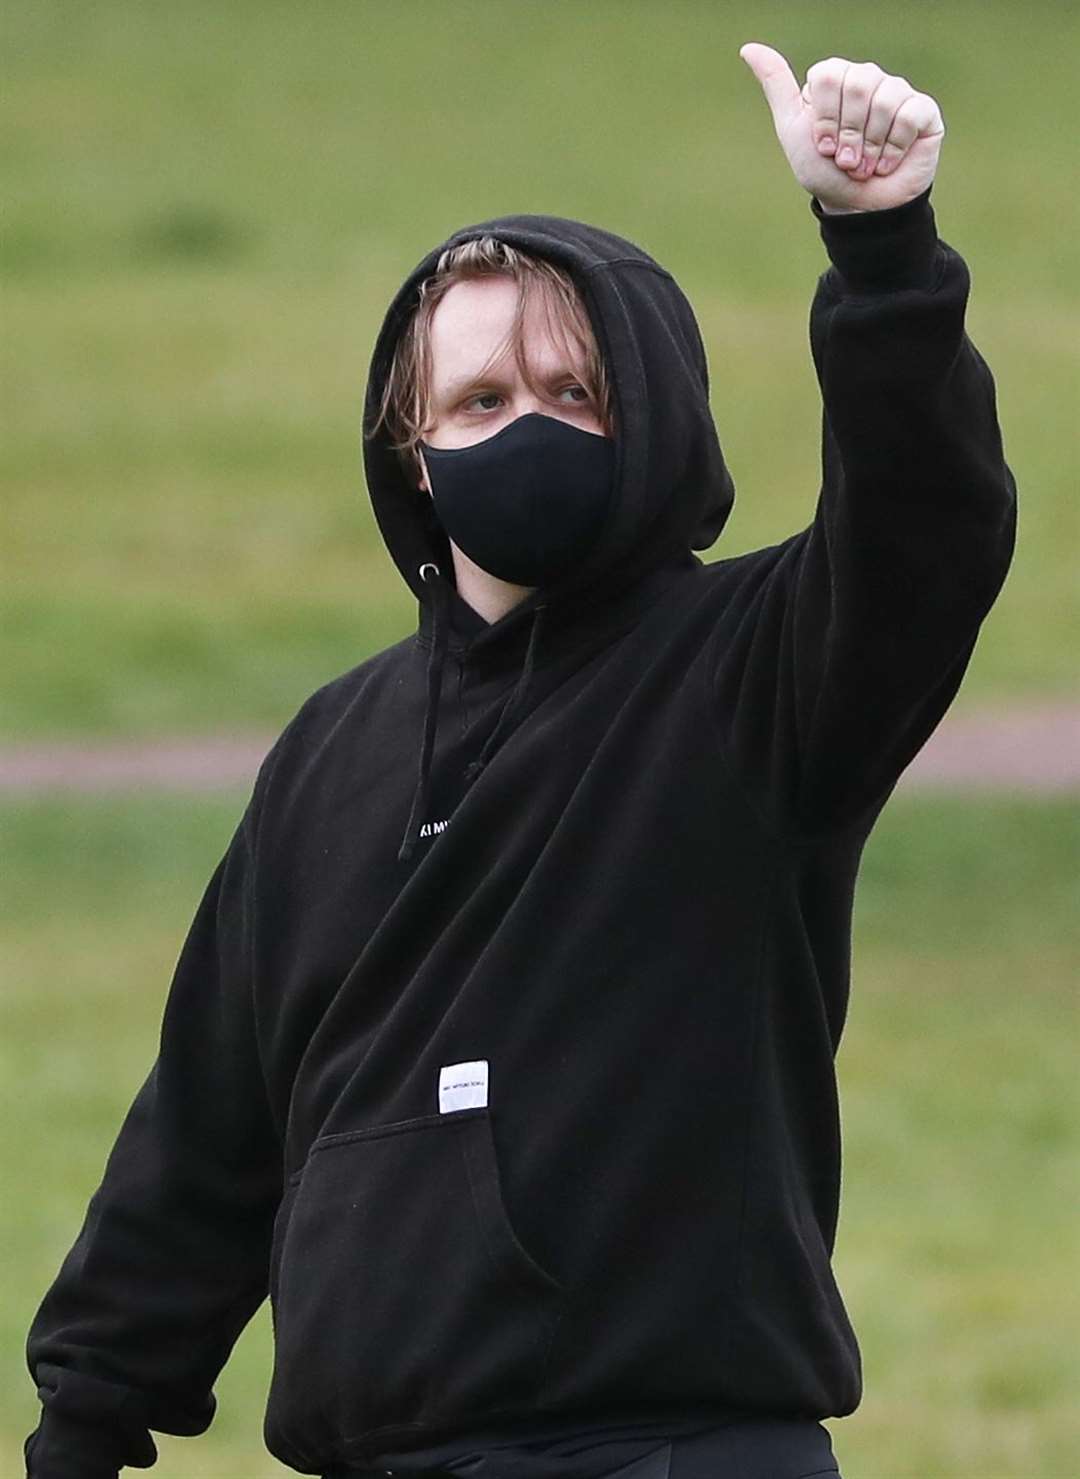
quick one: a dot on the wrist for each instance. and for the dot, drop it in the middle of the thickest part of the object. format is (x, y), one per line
(64, 1447)
(883, 250)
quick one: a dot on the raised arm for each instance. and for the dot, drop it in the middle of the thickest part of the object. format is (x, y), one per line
(862, 630)
(172, 1258)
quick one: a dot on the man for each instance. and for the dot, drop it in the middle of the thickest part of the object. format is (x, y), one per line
(500, 1052)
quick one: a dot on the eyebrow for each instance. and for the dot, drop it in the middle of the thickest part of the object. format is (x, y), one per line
(463, 383)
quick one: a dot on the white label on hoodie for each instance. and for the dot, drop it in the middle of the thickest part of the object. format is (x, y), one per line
(463, 1086)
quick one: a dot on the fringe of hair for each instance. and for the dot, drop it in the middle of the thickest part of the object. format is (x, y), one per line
(405, 404)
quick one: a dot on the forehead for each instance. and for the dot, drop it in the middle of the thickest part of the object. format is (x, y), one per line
(475, 320)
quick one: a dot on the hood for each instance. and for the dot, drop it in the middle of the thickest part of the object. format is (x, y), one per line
(672, 489)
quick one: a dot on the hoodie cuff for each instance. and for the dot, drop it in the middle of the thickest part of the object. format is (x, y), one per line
(62, 1447)
(877, 251)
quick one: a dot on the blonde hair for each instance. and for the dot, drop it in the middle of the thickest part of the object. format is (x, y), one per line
(406, 408)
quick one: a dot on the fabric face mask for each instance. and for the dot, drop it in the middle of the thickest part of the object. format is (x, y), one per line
(526, 504)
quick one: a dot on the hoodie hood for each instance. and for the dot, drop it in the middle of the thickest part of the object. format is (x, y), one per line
(672, 490)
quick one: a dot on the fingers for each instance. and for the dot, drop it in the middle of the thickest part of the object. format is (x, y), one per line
(918, 117)
(859, 85)
(824, 88)
(865, 118)
(880, 150)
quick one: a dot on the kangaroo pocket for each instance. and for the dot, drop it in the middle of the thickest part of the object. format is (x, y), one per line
(401, 1292)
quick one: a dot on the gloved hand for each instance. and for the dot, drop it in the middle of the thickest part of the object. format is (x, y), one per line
(61, 1447)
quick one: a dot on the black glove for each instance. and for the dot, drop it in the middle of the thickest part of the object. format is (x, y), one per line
(61, 1447)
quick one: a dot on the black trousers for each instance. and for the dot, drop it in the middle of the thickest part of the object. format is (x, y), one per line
(766, 1450)
(744, 1450)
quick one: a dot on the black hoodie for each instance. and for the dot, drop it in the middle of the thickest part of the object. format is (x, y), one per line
(529, 1114)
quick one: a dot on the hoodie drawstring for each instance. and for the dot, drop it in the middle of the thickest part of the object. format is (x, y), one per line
(515, 700)
(436, 662)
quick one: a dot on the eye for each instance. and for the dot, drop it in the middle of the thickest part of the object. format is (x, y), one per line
(486, 395)
(582, 394)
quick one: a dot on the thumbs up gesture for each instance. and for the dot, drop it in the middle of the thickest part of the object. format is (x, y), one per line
(856, 137)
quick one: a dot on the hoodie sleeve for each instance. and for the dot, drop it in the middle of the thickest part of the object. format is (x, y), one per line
(172, 1258)
(848, 652)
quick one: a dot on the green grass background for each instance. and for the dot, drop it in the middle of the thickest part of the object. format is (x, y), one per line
(207, 208)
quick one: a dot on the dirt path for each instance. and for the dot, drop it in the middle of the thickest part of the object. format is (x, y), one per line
(1035, 748)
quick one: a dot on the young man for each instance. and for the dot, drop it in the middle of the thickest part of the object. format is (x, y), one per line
(500, 1052)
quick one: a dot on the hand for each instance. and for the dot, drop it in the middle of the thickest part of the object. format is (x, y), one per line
(856, 138)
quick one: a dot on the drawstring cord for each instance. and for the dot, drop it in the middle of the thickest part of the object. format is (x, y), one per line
(436, 662)
(431, 712)
(513, 703)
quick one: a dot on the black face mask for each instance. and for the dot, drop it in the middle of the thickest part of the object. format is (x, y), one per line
(526, 504)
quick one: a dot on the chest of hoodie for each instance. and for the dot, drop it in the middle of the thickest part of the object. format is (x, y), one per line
(603, 879)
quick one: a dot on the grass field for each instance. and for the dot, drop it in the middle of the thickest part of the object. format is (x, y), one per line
(957, 1249)
(208, 208)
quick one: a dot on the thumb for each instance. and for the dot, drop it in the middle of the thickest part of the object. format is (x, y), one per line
(782, 92)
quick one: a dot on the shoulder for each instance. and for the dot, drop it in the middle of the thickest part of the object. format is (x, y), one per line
(724, 578)
(328, 707)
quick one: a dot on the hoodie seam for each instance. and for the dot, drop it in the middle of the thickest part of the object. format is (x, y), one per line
(629, 262)
(456, 648)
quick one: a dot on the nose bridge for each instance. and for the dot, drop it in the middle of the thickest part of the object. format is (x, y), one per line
(541, 366)
(531, 400)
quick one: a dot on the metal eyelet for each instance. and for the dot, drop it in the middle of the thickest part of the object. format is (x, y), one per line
(428, 565)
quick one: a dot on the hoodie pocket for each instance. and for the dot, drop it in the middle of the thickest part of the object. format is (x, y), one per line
(402, 1291)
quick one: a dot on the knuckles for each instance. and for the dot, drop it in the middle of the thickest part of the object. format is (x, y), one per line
(837, 66)
(861, 78)
(834, 77)
(833, 65)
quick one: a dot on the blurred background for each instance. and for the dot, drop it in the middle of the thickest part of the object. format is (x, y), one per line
(208, 208)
